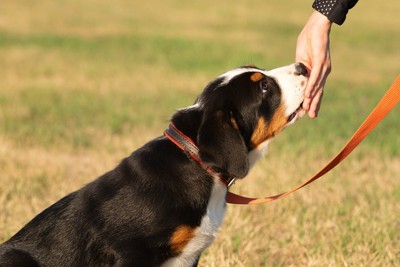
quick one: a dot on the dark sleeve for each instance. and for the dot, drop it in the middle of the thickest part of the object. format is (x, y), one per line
(334, 10)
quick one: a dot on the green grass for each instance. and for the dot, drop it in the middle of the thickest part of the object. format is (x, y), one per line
(47, 117)
(82, 88)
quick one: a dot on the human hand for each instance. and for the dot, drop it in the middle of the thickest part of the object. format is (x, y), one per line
(313, 51)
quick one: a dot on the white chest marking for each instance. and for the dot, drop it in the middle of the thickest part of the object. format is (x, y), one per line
(206, 233)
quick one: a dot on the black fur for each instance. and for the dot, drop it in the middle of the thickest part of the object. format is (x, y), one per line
(126, 217)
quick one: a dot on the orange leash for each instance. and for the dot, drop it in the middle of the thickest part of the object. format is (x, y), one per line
(385, 105)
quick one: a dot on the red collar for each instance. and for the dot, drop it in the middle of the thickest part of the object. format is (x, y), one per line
(187, 145)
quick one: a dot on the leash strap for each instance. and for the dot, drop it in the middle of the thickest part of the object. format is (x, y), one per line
(385, 105)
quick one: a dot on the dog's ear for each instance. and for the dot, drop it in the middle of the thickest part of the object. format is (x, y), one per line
(221, 144)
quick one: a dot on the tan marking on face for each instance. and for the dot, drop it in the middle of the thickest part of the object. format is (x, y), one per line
(181, 237)
(256, 77)
(264, 131)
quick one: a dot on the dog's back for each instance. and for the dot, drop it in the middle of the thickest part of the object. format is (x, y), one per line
(130, 213)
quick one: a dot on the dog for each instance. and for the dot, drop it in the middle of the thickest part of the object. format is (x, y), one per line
(163, 204)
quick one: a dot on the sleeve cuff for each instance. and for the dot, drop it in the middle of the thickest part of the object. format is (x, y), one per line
(334, 10)
(338, 14)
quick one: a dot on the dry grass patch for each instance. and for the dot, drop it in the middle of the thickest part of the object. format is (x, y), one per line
(347, 218)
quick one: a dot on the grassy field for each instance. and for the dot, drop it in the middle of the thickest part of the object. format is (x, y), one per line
(84, 83)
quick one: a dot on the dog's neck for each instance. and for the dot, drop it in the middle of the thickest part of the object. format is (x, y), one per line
(188, 121)
(192, 152)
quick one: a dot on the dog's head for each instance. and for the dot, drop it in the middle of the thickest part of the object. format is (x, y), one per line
(242, 110)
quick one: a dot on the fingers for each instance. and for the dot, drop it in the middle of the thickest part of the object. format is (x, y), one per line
(313, 81)
(312, 104)
(315, 86)
(315, 104)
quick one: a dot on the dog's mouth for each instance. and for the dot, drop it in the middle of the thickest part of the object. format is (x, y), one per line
(295, 113)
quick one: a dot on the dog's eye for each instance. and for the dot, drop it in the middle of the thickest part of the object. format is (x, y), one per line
(264, 86)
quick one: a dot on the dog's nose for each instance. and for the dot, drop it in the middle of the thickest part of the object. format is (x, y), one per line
(300, 69)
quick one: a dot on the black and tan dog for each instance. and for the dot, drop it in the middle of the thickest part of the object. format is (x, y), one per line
(162, 206)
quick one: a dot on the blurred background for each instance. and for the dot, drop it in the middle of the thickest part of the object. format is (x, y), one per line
(84, 83)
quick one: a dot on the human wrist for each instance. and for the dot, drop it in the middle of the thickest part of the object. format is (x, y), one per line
(321, 20)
